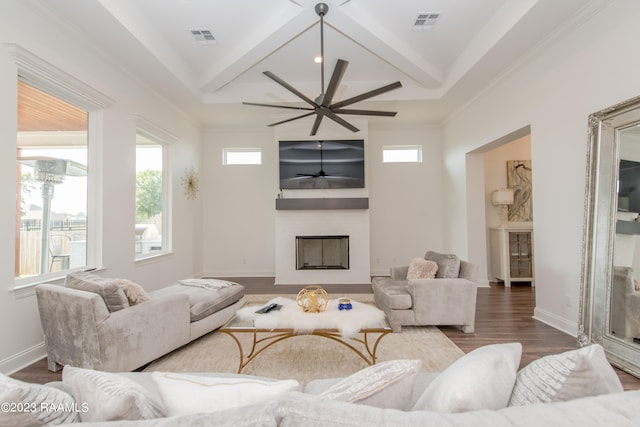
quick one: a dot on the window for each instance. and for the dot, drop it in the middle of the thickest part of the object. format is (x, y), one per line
(151, 230)
(52, 177)
(242, 156)
(402, 154)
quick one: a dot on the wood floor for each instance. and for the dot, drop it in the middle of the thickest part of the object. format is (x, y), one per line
(502, 315)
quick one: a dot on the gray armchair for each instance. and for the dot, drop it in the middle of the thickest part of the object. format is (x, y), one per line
(437, 301)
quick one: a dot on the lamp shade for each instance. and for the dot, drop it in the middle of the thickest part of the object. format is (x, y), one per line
(503, 196)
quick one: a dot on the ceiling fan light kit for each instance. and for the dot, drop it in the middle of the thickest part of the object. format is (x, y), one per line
(323, 105)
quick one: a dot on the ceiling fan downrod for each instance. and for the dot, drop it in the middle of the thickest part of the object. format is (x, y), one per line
(321, 10)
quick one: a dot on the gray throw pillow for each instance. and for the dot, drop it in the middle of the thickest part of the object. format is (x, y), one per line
(448, 264)
(35, 404)
(384, 385)
(112, 294)
(566, 376)
(109, 396)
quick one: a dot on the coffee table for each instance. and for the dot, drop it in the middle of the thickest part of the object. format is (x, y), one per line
(364, 344)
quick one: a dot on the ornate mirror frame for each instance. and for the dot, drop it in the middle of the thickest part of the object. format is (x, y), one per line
(601, 207)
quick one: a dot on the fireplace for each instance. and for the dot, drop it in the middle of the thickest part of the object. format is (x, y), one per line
(322, 252)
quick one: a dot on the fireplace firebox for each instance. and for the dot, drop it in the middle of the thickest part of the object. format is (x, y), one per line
(322, 252)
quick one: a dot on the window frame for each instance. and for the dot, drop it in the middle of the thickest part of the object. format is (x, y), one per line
(150, 131)
(46, 77)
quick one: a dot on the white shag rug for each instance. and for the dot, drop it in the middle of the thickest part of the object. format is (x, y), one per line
(348, 322)
(307, 357)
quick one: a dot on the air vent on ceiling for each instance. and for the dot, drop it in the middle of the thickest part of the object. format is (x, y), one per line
(203, 37)
(426, 21)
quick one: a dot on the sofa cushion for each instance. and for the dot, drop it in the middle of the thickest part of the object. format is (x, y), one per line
(569, 375)
(34, 404)
(384, 385)
(134, 292)
(112, 294)
(392, 294)
(188, 394)
(109, 396)
(448, 264)
(481, 379)
(420, 268)
(203, 301)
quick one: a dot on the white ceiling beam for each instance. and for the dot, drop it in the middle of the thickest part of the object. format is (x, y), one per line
(283, 26)
(498, 27)
(354, 21)
(142, 28)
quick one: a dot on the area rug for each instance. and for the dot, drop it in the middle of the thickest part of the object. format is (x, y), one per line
(308, 357)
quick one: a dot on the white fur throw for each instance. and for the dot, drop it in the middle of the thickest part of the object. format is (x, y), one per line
(420, 268)
(133, 291)
(348, 322)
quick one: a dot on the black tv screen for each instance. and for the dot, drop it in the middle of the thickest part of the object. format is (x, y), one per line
(322, 164)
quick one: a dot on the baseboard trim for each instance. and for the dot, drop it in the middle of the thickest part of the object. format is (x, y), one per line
(555, 321)
(23, 359)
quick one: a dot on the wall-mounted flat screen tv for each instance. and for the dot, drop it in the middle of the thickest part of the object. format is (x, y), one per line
(322, 164)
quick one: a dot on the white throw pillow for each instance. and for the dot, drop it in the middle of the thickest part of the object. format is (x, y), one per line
(134, 292)
(109, 396)
(28, 404)
(481, 379)
(188, 394)
(420, 268)
(385, 385)
(569, 375)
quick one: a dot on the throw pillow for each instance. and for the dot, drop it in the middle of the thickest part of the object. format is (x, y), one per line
(26, 404)
(481, 379)
(569, 375)
(420, 268)
(134, 292)
(384, 385)
(448, 264)
(109, 396)
(112, 294)
(187, 394)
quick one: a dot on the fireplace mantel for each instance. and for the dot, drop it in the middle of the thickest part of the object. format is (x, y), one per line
(293, 204)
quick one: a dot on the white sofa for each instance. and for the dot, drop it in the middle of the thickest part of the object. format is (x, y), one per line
(483, 388)
(90, 322)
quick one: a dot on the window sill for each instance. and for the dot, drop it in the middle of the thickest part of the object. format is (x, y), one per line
(24, 288)
(152, 258)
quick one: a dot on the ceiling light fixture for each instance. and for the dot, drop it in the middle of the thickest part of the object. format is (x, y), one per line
(322, 106)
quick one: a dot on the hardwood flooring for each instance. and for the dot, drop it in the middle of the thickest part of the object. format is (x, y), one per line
(502, 315)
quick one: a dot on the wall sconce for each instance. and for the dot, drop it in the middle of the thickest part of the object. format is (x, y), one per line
(502, 198)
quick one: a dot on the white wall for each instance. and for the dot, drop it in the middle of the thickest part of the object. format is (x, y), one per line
(553, 91)
(20, 330)
(405, 200)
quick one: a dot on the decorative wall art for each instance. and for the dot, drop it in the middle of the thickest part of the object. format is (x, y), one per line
(190, 183)
(519, 179)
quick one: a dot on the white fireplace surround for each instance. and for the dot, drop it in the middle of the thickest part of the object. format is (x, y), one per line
(353, 223)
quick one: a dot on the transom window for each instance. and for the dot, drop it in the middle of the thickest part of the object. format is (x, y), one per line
(242, 156)
(402, 154)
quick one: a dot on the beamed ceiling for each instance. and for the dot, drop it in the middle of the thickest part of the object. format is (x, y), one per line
(442, 67)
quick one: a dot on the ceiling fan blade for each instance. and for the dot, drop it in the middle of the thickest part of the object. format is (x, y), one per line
(366, 112)
(291, 119)
(336, 77)
(277, 106)
(316, 124)
(331, 115)
(367, 95)
(289, 88)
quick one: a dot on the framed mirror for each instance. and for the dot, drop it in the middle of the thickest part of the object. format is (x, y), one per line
(610, 289)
